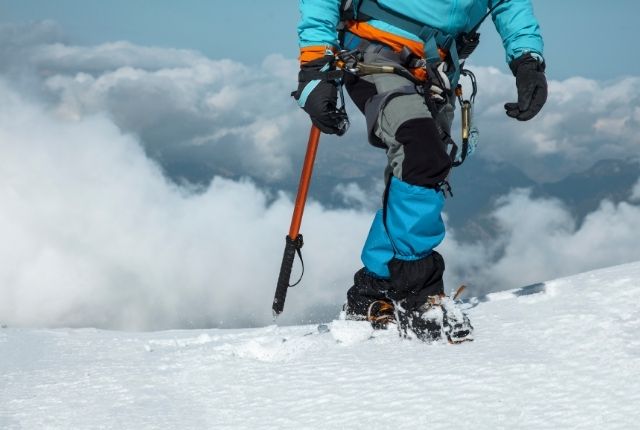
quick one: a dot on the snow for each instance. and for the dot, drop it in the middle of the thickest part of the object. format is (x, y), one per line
(564, 354)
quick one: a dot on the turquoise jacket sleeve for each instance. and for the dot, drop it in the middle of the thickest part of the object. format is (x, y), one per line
(518, 28)
(318, 23)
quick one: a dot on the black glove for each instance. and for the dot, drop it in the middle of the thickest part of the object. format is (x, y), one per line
(532, 87)
(317, 94)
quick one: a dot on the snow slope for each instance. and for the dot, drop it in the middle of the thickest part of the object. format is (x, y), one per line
(561, 355)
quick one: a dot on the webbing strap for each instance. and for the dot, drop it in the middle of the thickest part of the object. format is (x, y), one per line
(455, 61)
(431, 37)
(431, 53)
(299, 252)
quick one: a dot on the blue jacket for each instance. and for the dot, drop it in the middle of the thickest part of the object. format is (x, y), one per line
(513, 19)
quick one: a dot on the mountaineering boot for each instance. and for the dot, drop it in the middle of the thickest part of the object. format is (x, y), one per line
(425, 322)
(439, 317)
(380, 314)
(367, 300)
(456, 324)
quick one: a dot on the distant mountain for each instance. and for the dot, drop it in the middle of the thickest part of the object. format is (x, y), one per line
(582, 192)
(476, 185)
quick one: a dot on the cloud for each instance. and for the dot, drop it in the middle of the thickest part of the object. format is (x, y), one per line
(210, 109)
(583, 121)
(18, 39)
(194, 114)
(540, 240)
(96, 234)
(184, 107)
(353, 195)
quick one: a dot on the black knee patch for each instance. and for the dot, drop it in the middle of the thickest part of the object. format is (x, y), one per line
(426, 161)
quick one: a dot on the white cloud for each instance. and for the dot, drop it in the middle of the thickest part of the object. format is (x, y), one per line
(583, 121)
(174, 100)
(539, 240)
(352, 195)
(62, 58)
(219, 106)
(179, 101)
(94, 234)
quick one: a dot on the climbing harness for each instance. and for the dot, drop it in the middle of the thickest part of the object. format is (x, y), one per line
(435, 97)
(459, 47)
(441, 85)
(443, 77)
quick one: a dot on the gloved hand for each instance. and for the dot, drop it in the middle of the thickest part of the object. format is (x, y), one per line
(317, 94)
(532, 87)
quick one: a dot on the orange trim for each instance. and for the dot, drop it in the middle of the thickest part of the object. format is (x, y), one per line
(395, 42)
(369, 32)
(310, 53)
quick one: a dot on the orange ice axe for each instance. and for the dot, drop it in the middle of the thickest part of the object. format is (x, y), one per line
(294, 240)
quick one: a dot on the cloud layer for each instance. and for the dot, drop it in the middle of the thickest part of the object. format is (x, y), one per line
(198, 116)
(540, 240)
(184, 107)
(95, 233)
(583, 121)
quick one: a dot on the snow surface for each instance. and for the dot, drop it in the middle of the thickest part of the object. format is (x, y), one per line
(564, 354)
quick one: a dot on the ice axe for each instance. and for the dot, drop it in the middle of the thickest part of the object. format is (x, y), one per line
(294, 238)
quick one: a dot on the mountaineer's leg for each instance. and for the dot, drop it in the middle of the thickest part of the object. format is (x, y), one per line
(398, 255)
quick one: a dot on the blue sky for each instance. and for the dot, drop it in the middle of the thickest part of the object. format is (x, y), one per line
(583, 37)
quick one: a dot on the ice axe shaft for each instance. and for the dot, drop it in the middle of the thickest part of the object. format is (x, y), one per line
(305, 181)
(294, 238)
